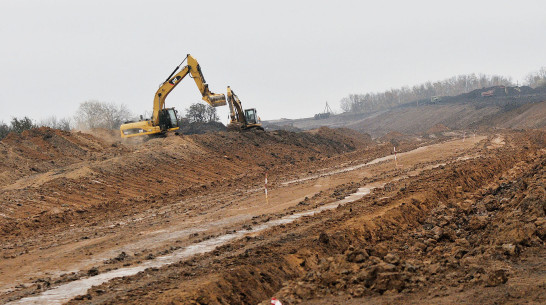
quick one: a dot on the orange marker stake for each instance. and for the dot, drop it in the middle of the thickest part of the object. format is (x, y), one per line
(395, 160)
(266, 197)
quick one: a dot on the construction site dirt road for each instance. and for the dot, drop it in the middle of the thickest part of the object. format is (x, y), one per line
(185, 220)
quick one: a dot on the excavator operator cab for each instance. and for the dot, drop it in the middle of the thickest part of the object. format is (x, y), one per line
(251, 116)
(167, 119)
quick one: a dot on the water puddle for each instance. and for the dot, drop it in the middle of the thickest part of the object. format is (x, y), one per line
(161, 236)
(66, 292)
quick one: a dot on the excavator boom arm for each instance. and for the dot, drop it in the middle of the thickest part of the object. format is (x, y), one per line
(194, 70)
(235, 107)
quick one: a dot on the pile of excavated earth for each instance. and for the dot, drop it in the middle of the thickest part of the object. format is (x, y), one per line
(51, 178)
(451, 218)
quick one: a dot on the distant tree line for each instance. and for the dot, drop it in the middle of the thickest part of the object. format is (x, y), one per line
(537, 79)
(95, 114)
(455, 85)
(391, 98)
(90, 114)
(201, 113)
(19, 125)
(53, 122)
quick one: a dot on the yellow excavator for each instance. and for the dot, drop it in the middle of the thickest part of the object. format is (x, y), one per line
(239, 119)
(165, 119)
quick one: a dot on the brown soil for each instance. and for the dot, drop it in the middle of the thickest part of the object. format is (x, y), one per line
(188, 128)
(51, 177)
(455, 222)
(438, 128)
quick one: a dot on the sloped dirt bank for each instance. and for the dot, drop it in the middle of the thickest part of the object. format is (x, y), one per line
(54, 178)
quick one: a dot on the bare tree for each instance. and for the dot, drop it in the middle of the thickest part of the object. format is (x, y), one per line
(211, 114)
(201, 113)
(95, 114)
(196, 113)
(345, 104)
(53, 122)
(537, 79)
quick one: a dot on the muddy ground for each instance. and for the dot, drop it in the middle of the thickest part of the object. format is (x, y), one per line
(455, 221)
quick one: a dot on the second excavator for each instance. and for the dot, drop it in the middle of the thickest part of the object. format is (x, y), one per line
(165, 119)
(239, 119)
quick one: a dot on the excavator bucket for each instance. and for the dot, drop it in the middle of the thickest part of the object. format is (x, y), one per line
(215, 100)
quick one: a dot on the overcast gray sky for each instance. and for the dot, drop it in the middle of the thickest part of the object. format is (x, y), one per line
(286, 58)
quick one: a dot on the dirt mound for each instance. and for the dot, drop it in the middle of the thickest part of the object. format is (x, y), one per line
(50, 144)
(345, 134)
(276, 149)
(498, 91)
(395, 138)
(201, 128)
(43, 149)
(437, 128)
(105, 135)
(528, 116)
(61, 172)
(286, 127)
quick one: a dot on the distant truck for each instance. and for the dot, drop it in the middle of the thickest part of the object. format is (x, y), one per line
(435, 99)
(320, 116)
(488, 93)
(325, 114)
